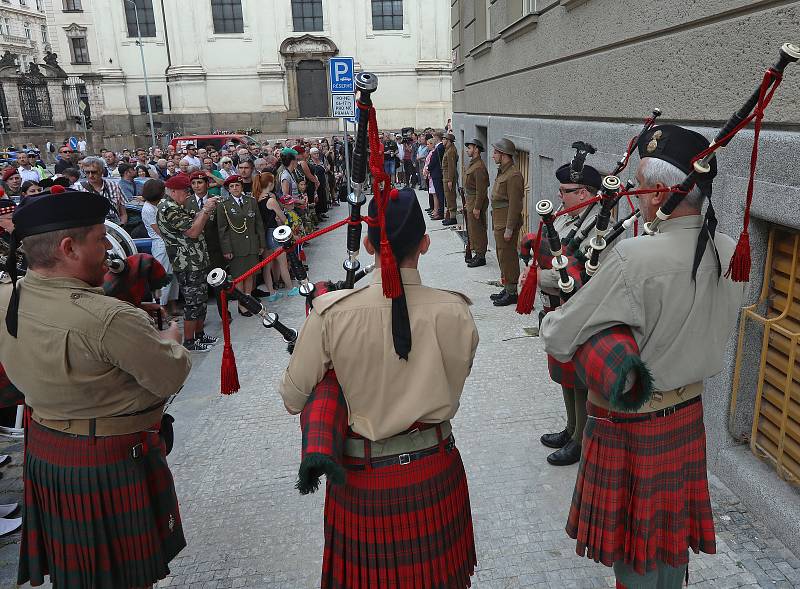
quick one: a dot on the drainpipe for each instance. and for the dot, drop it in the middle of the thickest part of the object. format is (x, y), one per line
(169, 57)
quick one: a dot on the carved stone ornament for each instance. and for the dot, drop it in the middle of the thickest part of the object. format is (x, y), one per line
(7, 60)
(308, 45)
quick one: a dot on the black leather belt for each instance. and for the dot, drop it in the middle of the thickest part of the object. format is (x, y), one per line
(636, 417)
(404, 459)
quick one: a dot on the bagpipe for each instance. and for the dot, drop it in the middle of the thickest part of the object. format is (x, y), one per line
(609, 362)
(367, 156)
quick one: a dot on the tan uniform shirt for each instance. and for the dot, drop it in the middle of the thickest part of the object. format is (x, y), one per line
(509, 191)
(80, 354)
(351, 332)
(680, 326)
(450, 164)
(476, 182)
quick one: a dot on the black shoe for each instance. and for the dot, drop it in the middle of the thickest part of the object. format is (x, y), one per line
(258, 293)
(476, 261)
(448, 222)
(506, 300)
(558, 440)
(498, 295)
(569, 454)
(429, 209)
(245, 313)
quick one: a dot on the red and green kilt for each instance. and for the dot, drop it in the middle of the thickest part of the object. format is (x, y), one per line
(400, 527)
(642, 490)
(93, 516)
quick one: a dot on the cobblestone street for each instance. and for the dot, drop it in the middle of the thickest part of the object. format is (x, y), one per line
(236, 457)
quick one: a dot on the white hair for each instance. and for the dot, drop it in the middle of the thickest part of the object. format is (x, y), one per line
(93, 160)
(656, 171)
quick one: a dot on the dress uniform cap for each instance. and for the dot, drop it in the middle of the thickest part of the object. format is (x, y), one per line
(675, 145)
(505, 146)
(178, 182)
(591, 177)
(48, 212)
(233, 178)
(477, 143)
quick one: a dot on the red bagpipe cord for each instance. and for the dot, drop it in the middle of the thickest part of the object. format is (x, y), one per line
(390, 275)
(527, 295)
(229, 376)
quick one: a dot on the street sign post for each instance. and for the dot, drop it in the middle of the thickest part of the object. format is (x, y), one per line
(342, 75)
(343, 106)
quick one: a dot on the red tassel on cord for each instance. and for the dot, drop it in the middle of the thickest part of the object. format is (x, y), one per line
(229, 375)
(739, 269)
(527, 295)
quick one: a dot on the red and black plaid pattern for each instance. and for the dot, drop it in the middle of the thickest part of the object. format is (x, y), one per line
(400, 527)
(95, 516)
(323, 422)
(641, 495)
(142, 274)
(604, 362)
(562, 373)
(9, 394)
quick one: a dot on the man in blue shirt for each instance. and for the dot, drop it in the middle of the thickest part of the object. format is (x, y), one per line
(127, 184)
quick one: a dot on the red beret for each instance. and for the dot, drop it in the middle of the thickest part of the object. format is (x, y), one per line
(179, 182)
(233, 178)
(299, 149)
(198, 176)
(8, 172)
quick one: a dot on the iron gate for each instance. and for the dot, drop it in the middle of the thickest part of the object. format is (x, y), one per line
(75, 93)
(34, 99)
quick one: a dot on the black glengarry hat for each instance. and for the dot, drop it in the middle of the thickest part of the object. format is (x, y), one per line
(54, 210)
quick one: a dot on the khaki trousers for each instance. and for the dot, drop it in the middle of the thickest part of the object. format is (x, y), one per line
(506, 250)
(478, 236)
(450, 199)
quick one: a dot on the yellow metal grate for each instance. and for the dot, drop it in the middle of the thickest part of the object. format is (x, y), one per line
(775, 434)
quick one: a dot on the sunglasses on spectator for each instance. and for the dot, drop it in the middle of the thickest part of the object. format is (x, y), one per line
(67, 151)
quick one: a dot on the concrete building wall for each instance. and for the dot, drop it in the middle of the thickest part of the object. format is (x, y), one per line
(548, 73)
(228, 81)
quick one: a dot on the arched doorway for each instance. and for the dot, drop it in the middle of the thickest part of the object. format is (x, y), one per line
(312, 88)
(306, 59)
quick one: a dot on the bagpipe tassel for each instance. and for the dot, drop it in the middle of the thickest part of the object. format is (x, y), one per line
(739, 268)
(527, 295)
(229, 375)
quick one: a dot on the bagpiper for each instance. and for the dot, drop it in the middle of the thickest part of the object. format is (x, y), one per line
(641, 498)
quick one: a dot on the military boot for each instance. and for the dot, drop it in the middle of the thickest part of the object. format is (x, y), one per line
(476, 261)
(558, 440)
(569, 454)
(506, 299)
(498, 295)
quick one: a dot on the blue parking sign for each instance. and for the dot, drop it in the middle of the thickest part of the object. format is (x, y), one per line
(73, 143)
(341, 74)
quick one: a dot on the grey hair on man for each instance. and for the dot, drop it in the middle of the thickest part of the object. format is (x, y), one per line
(93, 160)
(657, 171)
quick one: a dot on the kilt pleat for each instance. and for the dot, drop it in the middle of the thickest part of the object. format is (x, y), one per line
(400, 527)
(95, 517)
(641, 495)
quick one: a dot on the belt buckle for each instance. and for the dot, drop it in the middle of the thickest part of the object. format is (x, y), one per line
(404, 458)
(137, 451)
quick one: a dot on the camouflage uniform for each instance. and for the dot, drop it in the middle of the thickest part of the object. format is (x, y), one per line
(189, 257)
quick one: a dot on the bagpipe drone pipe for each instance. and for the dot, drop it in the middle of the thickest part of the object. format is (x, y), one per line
(609, 362)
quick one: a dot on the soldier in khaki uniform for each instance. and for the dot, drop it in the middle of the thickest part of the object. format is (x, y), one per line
(507, 197)
(401, 364)
(96, 375)
(476, 187)
(241, 233)
(450, 178)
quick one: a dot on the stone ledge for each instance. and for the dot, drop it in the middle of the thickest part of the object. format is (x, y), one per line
(481, 48)
(570, 4)
(520, 26)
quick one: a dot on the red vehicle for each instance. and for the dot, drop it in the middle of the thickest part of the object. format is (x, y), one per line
(215, 141)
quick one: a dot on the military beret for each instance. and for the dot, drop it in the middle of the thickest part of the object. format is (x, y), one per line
(56, 210)
(233, 178)
(589, 177)
(198, 176)
(178, 182)
(299, 149)
(8, 172)
(675, 145)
